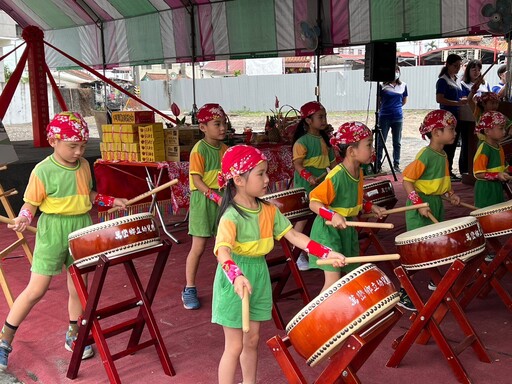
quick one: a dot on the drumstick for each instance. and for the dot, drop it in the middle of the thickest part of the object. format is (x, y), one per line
(465, 205)
(245, 311)
(145, 194)
(432, 218)
(361, 259)
(396, 210)
(322, 176)
(365, 224)
(6, 220)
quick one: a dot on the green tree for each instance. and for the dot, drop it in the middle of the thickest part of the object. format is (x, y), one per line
(431, 46)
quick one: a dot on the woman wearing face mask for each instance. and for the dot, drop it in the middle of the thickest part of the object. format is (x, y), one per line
(393, 96)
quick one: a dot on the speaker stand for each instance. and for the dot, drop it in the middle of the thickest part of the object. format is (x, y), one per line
(379, 138)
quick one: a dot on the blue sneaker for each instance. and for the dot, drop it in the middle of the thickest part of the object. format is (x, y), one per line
(5, 349)
(88, 351)
(189, 298)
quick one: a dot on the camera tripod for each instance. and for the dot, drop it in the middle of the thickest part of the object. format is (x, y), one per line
(379, 138)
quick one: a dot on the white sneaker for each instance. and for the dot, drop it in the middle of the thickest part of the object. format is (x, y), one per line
(302, 262)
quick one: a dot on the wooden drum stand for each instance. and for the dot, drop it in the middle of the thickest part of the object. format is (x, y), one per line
(143, 298)
(496, 221)
(22, 241)
(343, 326)
(458, 244)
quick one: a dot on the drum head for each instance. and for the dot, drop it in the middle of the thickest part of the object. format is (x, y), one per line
(496, 208)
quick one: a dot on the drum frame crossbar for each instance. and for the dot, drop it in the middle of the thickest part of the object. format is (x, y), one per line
(489, 275)
(427, 320)
(343, 364)
(90, 330)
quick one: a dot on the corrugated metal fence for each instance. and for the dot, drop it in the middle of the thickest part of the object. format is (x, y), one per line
(340, 91)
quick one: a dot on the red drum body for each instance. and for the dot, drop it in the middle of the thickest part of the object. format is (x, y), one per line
(355, 300)
(440, 243)
(293, 203)
(381, 193)
(114, 238)
(496, 220)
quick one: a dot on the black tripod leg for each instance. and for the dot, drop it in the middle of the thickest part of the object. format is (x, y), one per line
(386, 154)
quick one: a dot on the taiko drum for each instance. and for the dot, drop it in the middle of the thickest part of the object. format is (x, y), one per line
(440, 243)
(114, 238)
(292, 203)
(354, 301)
(496, 220)
(381, 193)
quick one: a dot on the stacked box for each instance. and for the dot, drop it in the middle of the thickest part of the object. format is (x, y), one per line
(152, 143)
(178, 152)
(179, 141)
(133, 117)
(183, 135)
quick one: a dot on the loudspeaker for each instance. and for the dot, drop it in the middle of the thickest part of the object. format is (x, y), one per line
(380, 61)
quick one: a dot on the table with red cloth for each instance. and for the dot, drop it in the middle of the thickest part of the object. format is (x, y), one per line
(128, 179)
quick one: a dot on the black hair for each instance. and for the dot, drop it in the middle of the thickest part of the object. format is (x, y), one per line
(302, 129)
(472, 64)
(227, 199)
(343, 148)
(397, 81)
(451, 59)
(502, 69)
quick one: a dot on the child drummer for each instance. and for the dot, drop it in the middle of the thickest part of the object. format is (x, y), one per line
(61, 187)
(489, 165)
(340, 197)
(427, 178)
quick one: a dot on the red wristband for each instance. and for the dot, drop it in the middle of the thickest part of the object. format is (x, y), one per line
(210, 194)
(415, 198)
(305, 174)
(317, 249)
(104, 200)
(231, 270)
(367, 206)
(325, 213)
(491, 176)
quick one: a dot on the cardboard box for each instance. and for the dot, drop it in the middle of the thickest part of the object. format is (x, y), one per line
(186, 135)
(178, 152)
(133, 117)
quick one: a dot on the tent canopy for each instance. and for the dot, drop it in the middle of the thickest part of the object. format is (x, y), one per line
(135, 32)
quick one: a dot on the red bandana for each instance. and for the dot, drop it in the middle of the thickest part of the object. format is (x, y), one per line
(209, 112)
(487, 96)
(489, 120)
(237, 160)
(310, 108)
(437, 119)
(350, 132)
(68, 126)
